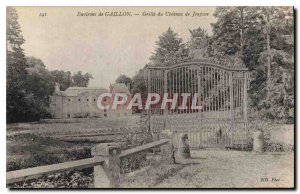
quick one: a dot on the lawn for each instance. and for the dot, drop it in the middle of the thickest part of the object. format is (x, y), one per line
(41, 143)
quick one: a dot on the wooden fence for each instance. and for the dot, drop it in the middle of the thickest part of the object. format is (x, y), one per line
(106, 163)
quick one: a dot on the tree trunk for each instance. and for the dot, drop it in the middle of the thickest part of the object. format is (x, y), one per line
(242, 31)
(269, 56)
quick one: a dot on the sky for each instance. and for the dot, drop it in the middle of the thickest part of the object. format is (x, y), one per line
(105, 46)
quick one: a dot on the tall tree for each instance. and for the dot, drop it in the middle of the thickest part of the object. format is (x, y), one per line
(15, 69)
(63, 78)
(139, 82)
(169, 49)
(125, 80)
(264, 37)
(273, 23)
(33, 62)
(229, 33)
(81, 80)
(39, 86)
(278, 60)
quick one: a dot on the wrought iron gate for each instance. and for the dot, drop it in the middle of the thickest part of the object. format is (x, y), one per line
(222, 93)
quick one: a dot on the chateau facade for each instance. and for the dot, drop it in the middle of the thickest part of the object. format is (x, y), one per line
(81, 102)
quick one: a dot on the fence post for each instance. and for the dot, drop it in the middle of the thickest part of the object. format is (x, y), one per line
(167, 150)
(108, 174)
(258, 142)
(231, 100)
(165, 89)
(245, 107)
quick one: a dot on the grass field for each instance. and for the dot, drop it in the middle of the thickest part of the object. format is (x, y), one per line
(36, 144)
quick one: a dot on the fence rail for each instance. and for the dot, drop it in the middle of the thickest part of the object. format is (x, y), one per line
(144, 147)
(106, 163)
(36, 172)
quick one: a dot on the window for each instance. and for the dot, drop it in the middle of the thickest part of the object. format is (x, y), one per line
(79, 99)
(68, 115)
(94, 100)
(69, 99)
(87, 99)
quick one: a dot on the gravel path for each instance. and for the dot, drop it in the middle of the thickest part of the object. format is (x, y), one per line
(218, 169)
(235, 169)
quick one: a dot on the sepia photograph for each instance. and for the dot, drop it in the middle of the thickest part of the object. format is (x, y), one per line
(186, 97)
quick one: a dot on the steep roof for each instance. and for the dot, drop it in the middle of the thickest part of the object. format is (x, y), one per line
(74, 91)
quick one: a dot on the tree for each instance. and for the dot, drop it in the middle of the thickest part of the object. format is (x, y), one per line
(278, 60)
(15, 69)
(139, 82)
(64, 79)
(39, 86)
(263, 38)
(81, 80)
(33, 62)
(229, 40)
(29, 83)
(169, 50)
(273, 22)
(139, 86)
(125, 80)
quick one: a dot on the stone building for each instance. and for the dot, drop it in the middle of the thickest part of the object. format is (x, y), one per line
(81, 102)
(121, 110)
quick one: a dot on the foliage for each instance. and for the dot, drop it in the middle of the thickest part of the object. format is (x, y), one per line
(29, 83)
(169, 50)
(64, 79)
(36, 151)
(240, 39)
(279, 102)
(30, 150)
(125, 80)
(69, 179)
(252, 49)
(134, 139)
(15, 69)
(81, 80)
(138, 82)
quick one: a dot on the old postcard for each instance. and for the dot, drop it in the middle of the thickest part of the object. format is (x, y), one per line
(150, 97)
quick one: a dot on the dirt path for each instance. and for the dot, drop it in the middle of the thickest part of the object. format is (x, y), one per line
(220, 169)
(235, 169)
